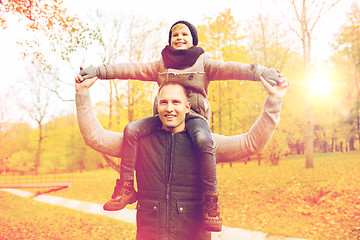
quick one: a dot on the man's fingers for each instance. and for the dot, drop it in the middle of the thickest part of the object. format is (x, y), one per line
(78, 79)
(285, 84)
(272, 82)
(265, 82)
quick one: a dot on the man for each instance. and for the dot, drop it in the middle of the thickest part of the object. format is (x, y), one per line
(169, 191)
(167, 172)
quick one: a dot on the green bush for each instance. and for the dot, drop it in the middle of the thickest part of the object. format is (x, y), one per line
(22, 161)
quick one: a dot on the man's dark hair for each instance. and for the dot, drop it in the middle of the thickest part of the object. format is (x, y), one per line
(186, 91)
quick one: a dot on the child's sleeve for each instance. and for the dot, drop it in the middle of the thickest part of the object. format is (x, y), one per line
(137, 71)
(218, 70)
(235, 148)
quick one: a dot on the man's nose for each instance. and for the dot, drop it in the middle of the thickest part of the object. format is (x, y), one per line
(169, 107)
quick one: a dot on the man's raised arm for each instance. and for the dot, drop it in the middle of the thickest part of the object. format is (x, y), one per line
(95, 136)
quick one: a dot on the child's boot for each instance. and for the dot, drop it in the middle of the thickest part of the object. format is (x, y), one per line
(124, 193)
(117, 188)
(211, 213)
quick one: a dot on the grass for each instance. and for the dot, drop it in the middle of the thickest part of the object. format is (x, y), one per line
(287, 200)
(24, 218)
(318, 203)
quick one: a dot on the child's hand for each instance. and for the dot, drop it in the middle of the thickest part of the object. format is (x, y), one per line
(89, 72)
(272, 76)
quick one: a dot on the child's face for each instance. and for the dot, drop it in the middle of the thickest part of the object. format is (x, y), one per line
(181, 37)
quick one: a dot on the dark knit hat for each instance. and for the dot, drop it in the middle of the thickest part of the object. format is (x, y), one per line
(192, 29)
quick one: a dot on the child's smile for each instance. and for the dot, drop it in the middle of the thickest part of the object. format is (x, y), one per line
(181, 37)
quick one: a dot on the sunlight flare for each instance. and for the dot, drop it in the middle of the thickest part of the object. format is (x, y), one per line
(320, 84)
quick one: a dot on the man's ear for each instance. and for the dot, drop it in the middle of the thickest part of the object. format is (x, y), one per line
(188, 106)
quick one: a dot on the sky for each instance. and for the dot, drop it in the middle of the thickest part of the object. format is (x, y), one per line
(167, 11)
(194, 11)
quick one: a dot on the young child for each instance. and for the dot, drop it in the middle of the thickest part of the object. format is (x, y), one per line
(182, 61)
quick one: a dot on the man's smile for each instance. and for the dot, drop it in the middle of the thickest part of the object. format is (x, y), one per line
(170, 117)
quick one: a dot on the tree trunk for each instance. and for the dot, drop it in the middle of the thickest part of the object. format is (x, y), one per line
(352, 143)
(38, 151)
(309, 145)
(230, 107)
(110, 104)
(130, 103)
(220, 104)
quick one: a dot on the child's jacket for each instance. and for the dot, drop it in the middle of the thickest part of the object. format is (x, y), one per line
(195, 78)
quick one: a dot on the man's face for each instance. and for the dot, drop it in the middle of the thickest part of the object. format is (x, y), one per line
(181, 37)
(172, 107)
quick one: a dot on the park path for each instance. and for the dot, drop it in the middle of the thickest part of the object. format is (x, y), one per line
(129, 216)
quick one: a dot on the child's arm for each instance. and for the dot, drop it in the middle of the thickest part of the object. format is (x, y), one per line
(218, 70)
(136, 71)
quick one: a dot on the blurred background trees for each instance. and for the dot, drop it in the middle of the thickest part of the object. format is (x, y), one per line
(60, 40)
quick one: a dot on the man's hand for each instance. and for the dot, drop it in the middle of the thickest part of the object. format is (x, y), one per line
(278, 91)
(81, 85)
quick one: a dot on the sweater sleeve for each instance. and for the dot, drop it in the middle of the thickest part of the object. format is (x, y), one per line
(219, 70)
(235, 148)
(137, 71)
(95, 136)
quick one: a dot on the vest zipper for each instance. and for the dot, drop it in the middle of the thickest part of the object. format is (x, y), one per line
(168, 199)
(167, 234)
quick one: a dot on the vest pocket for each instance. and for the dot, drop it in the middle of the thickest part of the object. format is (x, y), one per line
(189, 218)
(188, 207)
(147, 218)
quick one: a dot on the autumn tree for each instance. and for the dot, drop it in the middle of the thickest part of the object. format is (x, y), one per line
(37, 103)
(110, 27)
(269, 45)
(348, 56)
(14, 136)
(143, 44)
(221, 39)
(5, 113)
(52, 36)
(129, 39)
(307, 15)
(65, 149)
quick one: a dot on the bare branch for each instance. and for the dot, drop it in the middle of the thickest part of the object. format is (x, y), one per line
(60, 97)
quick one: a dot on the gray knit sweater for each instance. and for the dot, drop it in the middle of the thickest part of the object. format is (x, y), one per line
(227, 148)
